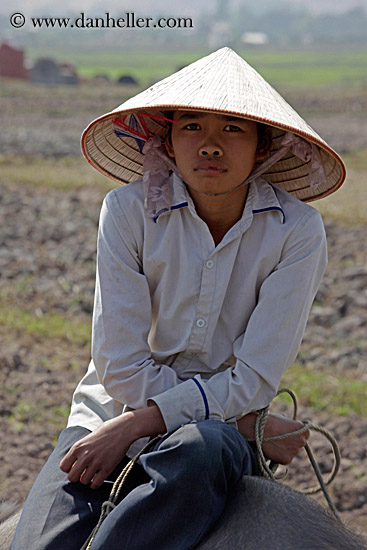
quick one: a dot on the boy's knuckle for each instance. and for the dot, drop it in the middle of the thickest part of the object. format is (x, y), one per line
(88, 454)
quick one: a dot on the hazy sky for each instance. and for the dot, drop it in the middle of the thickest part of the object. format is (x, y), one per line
(189, 7)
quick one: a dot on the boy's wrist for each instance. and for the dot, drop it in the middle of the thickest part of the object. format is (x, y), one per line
(246, 425)
(148, 421)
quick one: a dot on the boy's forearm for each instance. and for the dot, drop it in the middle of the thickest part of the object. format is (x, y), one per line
(148, 421)
(246, 425)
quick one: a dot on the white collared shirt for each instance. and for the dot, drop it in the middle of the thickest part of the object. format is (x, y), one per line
(204, 331)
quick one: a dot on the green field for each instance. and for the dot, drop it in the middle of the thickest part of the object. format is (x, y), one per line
(282, 69)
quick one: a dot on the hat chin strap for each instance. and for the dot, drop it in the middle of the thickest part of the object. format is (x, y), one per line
(301, 148)
(156, 177)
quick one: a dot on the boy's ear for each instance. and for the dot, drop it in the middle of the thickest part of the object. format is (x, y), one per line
(168, 146)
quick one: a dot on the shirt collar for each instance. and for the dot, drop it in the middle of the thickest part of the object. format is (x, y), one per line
(180, 197)
(262, 198)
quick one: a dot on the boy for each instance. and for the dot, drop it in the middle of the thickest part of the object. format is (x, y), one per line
(206, 273)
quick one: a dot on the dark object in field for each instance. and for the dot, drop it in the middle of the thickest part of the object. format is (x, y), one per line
(128, 80)
(48, 71)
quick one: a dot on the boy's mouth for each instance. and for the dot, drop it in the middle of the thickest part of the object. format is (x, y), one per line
(209, 168)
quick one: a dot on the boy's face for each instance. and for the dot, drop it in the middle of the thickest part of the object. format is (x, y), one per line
(213, 152)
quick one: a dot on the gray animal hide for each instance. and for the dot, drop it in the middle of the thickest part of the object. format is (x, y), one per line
(260, 515)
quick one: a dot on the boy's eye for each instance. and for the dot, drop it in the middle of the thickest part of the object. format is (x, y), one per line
(232, 128)
(192, 126)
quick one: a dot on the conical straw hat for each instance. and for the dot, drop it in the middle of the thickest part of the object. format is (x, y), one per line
(220, 83)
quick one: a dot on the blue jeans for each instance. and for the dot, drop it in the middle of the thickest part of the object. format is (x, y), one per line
(171, 502)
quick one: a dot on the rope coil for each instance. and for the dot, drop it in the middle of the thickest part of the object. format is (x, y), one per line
(268, 470)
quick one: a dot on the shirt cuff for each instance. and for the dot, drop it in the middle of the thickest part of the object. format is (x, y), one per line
(188, 401)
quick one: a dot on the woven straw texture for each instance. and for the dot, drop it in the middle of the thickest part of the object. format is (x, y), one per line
(224, 83)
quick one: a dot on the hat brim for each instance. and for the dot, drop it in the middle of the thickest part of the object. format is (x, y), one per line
(120, 159)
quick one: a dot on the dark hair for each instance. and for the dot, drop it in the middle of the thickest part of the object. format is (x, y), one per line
(264, 138)
(169, 115)
(262, 130)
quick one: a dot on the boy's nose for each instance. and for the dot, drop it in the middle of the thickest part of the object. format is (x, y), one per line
(210, 150)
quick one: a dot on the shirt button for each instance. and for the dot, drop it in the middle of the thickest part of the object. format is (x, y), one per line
(209, 264)
(200, 323)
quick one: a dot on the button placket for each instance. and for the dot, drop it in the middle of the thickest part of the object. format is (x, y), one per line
(204, 306)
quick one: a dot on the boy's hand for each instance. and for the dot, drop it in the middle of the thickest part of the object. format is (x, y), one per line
(93, 458)
(281, 451)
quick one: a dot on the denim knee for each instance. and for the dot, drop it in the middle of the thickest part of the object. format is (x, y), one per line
(208, 446)
(226, 445)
